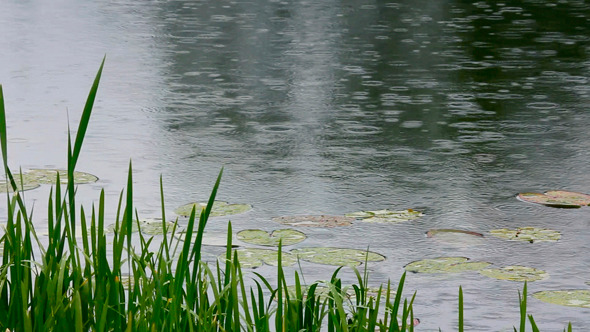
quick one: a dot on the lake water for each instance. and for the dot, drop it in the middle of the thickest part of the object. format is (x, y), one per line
(328, 107)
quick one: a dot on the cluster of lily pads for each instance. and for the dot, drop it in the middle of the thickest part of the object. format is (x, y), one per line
(253, 257)
(256, 257)
(555, 199)
(561, 199)
(33, 178)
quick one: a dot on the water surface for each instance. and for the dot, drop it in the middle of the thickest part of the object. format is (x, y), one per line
(450, 107)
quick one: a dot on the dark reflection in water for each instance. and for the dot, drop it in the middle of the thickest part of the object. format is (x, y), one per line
(451, 107)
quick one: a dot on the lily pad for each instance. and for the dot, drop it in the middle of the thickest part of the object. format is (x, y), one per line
(386, 216)
(254, 257)
(436, 232)
(219, 209)
(149, 227)
(323, 291)
(516, 273)
(529, 234)
(6, 187)
(570, 298)
(315, 221)
(263, 238)
(557, 198)
(337, 256)
(215, 239)
(455, 236)
(445, 265)
(49, 176)
(33, 178)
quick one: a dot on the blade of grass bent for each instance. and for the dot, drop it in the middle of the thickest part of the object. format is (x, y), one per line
(85, 119)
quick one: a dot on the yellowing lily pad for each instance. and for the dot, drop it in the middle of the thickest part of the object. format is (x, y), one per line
(557, 198)
(570, 298)
(516, 273)
(337, 256)
(529, 234)
(386, 216)
(254, 257)
(219, 209)
(315, 221)
(263, 238)
(149, 227)
(445, 265)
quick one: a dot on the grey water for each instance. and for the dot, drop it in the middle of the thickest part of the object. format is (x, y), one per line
(328, 107)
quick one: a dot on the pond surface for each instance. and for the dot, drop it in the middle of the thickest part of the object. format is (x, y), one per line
(329, 107)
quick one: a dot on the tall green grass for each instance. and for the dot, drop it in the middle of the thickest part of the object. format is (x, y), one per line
(100, 283)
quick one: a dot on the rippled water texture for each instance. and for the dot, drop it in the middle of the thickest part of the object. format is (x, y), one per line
(325, 107)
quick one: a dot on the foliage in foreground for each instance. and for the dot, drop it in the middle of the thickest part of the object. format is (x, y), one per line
(95, 283)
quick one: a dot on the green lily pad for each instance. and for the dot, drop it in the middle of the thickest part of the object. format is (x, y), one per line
(557, 198)
(323, 291)
(386, 216)
(570, 298)
(6, 187)
(445, 265)
(254, 257)
(315, 221)
(35, 177)
(49, 176)
(215, 239)
(263, 238)
(529, 234)
(149, 227)
(219, 209)
(438, 231)
(337, 256)
(516, 273)
(455, 236)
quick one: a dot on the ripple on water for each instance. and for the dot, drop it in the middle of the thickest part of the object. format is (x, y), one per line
(360, 129)
(542, 105)
(461, 97)
(411, 124)
(276, 129)
(450, 150)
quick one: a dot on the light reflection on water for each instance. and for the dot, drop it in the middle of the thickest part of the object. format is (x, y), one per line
(447, 107)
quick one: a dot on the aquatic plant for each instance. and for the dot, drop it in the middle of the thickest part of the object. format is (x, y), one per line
(314, 220)
(219, 209)
(386, 216)
(286, 237)
(445, 265)
(527, 234)
(516, 273)
(557, 198)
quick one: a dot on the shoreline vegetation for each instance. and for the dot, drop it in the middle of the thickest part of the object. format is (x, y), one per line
(107, 282)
